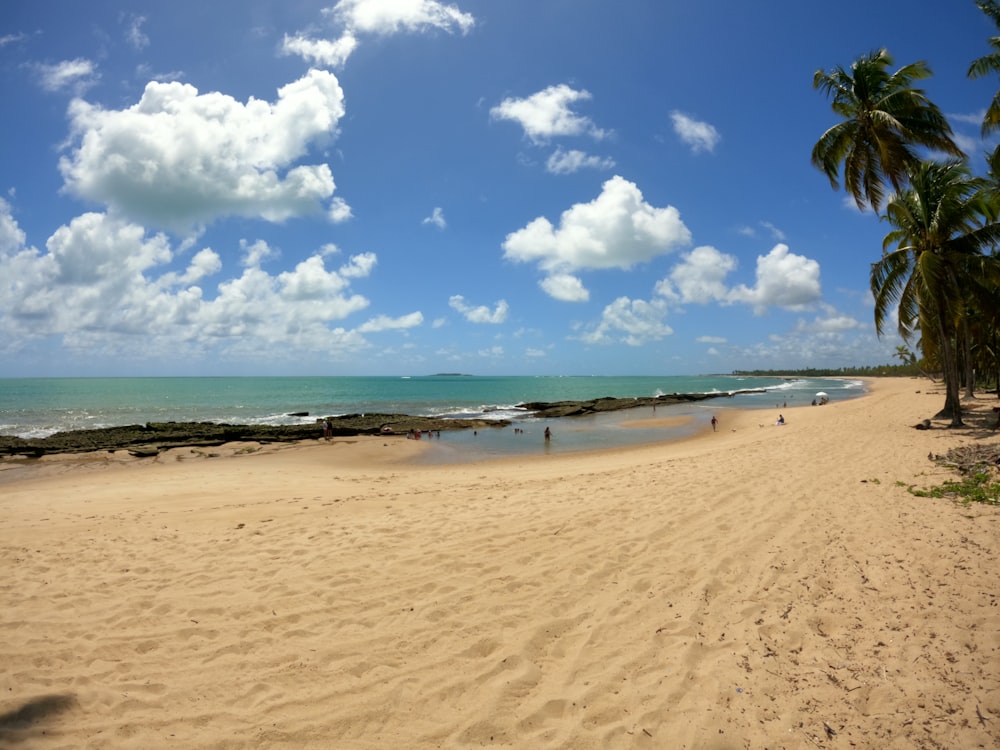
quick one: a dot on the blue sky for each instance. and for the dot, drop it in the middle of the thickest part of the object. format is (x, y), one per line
(412, 186)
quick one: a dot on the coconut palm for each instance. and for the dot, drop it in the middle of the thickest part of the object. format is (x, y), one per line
(885, 119)
(989, 64)
(939, 238)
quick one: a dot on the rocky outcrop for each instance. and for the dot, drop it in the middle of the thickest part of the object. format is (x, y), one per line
(149, 439)
(554, 409)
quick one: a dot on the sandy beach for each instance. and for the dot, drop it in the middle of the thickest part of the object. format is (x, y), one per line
(755, 587)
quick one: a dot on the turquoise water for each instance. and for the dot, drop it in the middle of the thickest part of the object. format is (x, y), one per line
(36, 407)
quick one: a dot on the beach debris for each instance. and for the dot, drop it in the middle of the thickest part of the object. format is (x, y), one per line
(969, 459)
(145, 452)
(982, 719)
(830, 731)
(924, 425)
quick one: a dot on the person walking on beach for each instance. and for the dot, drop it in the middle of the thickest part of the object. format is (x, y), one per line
(715, 424)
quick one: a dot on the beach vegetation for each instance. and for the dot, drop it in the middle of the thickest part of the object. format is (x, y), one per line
(979, 481)
(933, 269)
(884, 119)
(989, 63)
(938, 277)
(979, 487)
(917, 369)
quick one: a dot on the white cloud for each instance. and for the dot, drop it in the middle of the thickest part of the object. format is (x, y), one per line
(436, 219)
(783, 280)
(548, 113)
(567, 162)
(385, 323)
(480, 314)
(632, 322)
(134, 34)
(699, 136)
(564, 287)
(322, 52)
(255, 253)
(205, 262)
(359, 266)
(78, 74)
(385, 17)
(618, 229)
(357, 18)
(834, 322)
(103, 284)
(11, 38)
(775, 232)
(12, 237)
(699, 277)
(711, 340)
(179, 159)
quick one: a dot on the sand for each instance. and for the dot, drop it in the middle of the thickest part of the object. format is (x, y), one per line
(758, 587)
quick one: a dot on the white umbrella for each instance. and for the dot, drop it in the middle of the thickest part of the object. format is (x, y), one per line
(821, 395)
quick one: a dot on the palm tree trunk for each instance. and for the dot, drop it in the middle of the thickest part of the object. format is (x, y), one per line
(968, 364)
(952, 379)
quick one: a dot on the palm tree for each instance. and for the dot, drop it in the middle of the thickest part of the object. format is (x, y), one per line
(939, 239)
(884, 119)
(989, 64)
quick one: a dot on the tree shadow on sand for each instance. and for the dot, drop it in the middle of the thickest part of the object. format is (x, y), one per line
(27, 721)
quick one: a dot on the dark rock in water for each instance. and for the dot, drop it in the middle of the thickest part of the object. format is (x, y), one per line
(153, 437)
(555, 409)
(298, 414)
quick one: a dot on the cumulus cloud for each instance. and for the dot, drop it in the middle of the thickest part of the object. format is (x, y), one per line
(698, 136)
(784, 279)
(618, 229)
(12, 237)
(699, 277)
(564, 287)
(567, 162)
(548, 114)
(357, 18)
(632, 322)
(481, 313)
(105, 284)
(325, 53)
(179, 159)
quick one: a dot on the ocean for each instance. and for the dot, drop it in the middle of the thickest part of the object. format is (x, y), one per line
(38, 407)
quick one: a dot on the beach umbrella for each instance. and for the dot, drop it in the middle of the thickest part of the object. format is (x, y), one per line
(821, 394)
